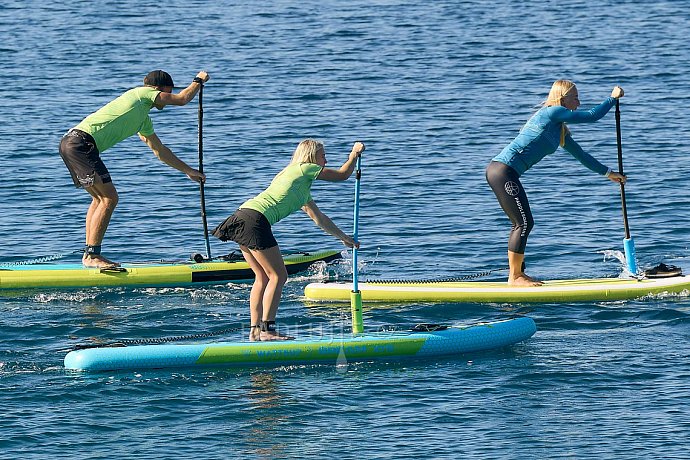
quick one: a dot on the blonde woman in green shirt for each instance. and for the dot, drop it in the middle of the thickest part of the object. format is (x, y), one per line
(250, 227)
(121, 118)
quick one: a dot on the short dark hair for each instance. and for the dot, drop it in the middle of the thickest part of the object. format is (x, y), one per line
(158, 78)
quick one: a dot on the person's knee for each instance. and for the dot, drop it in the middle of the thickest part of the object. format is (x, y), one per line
(110, 202)
(529, 225)
(107, 200)
(279, 276)
(261, 280)
(523, 228)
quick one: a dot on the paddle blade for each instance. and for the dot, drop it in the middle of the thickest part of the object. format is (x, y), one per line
(629, 246)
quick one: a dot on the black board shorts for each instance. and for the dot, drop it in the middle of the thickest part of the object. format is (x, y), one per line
(248, 228)
(82, 158)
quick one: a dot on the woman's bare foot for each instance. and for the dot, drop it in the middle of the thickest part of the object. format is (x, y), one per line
(269, 332)
(522, 279)
(255, 333)
(97, 261)
(274, 335)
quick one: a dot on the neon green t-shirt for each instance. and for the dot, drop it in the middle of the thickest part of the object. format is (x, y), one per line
(121, 118)
(288, 192)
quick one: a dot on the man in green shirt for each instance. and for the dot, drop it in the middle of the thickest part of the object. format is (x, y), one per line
(121, 118)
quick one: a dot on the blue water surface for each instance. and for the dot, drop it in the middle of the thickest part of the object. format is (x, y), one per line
(435, 90)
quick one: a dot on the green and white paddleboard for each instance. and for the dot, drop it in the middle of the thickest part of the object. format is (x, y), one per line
(575, 290)
(139, 274)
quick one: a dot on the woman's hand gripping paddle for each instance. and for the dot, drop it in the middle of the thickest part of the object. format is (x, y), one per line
(628, 243)
(355, 295)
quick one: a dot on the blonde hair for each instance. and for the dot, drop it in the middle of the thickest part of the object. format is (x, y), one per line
(306, 151)
(559, 90)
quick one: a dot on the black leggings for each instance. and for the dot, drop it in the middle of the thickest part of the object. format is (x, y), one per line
(505, 182)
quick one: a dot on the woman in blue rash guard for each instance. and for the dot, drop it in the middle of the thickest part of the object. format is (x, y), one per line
(543, 133)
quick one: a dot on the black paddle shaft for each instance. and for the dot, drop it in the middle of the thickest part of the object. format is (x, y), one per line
(620, 168)
(201, 170)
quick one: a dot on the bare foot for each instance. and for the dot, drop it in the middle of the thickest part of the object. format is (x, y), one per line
(254, 334)
(273, 335)
(523, 280)
(97, 261)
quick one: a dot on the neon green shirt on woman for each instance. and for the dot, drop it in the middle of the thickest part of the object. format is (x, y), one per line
(121, 118)
(288, 192)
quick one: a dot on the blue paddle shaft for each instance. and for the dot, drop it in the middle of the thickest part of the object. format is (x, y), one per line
(629, 246)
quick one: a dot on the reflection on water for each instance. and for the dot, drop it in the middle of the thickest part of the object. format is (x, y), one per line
(267, 414)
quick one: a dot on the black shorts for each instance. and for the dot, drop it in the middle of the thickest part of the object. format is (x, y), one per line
(82, 158)
(247, 227)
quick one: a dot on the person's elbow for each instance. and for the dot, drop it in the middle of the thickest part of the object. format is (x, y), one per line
(185, 97)
(340, 175)
(158, 154)
(151, 145)
(179, 100)
(317, 218)
(161, 152)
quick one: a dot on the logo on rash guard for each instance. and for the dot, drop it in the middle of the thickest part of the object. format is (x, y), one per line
(512, 188)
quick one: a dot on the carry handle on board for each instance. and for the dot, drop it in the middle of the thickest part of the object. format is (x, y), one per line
(628, 242)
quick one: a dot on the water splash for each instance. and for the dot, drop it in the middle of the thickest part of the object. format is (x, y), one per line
(337, 270)
(620, 257)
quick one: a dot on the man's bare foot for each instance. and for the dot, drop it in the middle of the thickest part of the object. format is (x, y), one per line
(523, 280)
(97, 261)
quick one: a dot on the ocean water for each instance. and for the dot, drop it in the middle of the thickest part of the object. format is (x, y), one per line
(435, 90)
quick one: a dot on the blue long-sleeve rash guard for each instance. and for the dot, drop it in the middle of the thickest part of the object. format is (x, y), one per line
(541, 136)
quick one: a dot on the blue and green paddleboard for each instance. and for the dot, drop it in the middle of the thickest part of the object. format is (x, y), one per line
(177, 273)
(418, 343)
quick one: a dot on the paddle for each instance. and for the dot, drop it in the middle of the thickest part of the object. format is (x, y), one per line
(201, 170)
(628, 243)
(355, 295)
